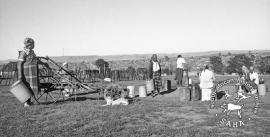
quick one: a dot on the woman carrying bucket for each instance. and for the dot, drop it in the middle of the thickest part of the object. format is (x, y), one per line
(28, 68)
(155, 74)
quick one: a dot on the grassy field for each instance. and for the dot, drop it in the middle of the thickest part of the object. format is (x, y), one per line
(162, 116)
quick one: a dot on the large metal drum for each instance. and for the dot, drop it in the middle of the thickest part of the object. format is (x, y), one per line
(195, 92)
(142, 91)
(262, 89)
(167, 85)
(20, 91)
(150, 85)
(184, 93)
(131, 93)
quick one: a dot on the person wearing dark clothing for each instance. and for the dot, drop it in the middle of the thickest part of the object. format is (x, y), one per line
(179, 70)
(28, 68)
(155, 74)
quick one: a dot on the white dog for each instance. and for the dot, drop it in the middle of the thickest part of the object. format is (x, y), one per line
(120, 101)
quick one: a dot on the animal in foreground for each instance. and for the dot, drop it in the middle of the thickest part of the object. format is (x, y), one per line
(120, 101)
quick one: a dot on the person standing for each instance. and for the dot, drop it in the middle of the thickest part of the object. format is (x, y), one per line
(28, 68)
(245, 73)
(179, 70)
(155, 74)
(207, 78)
(254, 77)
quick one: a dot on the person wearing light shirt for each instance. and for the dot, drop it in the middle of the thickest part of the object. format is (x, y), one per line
(254, 77)
(207, 78)
(179, 70)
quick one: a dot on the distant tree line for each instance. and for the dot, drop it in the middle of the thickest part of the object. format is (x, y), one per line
(235, 63)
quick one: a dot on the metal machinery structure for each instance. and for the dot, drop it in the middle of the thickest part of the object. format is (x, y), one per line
(53, 77)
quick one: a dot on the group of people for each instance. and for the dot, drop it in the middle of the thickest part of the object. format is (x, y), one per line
(250, 74)
(207, 79)
(28, 72)
(155, 73)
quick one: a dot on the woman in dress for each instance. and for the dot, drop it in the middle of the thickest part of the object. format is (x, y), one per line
(207, 78)
(155, 74)
(28, 68)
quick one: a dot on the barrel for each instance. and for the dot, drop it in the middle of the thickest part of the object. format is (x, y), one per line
(262, 89)
(142, 91)
(195, 92)
(131, 93)
(150, 85)
(20, 91)
(206, 94)
(267, 87)
(167, 85)
(184, 93)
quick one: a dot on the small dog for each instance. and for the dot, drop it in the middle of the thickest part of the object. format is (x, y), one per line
(120, 101)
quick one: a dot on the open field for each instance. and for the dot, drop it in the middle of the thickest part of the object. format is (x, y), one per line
(161, 116)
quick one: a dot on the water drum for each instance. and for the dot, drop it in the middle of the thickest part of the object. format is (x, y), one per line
(150, 85)
(167, 85)
(262, 89)
(195, 92)
(267, 87)
(184, 93)
(20, 91)
(142, 91)
(131, 93)
(206, 94)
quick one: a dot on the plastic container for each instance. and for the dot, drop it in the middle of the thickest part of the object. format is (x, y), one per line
(131, 93)
(142, 91)
(262, 89)
(20, 91)
(150, 85)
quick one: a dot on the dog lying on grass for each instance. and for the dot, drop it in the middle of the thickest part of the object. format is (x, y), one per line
(120, 101)
(115, 95)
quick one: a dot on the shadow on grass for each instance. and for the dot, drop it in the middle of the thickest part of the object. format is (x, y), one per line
(87, 93)
(71, 99)
(167, 92)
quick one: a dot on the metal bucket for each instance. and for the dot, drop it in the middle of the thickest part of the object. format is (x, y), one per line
(142, 91)
(20, 91)
(262, 89)
(150, 85)
(131, 93)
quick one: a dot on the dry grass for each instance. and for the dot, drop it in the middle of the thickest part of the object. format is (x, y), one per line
(162, 116)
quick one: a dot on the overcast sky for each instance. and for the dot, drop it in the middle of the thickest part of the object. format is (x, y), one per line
(105, 27)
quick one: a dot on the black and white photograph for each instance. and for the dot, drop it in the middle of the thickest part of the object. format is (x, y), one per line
(134, 68)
